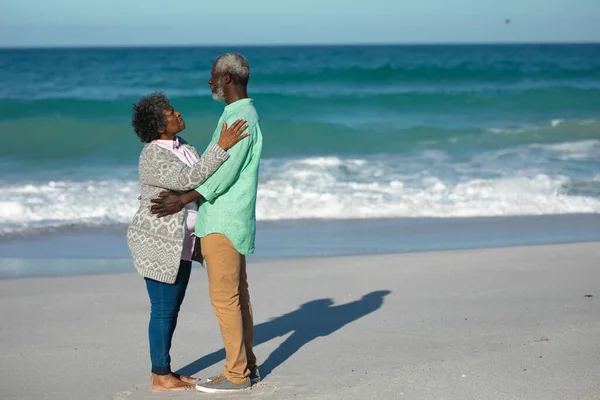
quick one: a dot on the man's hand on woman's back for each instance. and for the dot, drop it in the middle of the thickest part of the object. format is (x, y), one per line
(169, 203)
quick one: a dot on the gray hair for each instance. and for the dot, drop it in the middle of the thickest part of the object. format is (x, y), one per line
(235, 65)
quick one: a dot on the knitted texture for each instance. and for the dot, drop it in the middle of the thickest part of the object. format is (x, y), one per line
(156, 243)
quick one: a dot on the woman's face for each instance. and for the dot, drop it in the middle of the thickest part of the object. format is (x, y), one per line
(175, 123)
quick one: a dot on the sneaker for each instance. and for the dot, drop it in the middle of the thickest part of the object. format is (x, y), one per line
(212, 378)
(221, 384)
(254, 376)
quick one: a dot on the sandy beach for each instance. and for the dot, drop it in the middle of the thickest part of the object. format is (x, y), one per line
(509, 323)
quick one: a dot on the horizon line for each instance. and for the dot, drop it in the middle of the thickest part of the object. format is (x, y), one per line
(308, 44)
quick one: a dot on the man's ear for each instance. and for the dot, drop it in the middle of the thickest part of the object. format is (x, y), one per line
(227, 79)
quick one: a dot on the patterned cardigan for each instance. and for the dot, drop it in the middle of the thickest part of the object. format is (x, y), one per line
(156, 243)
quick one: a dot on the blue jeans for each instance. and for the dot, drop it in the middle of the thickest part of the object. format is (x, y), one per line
(165, 301)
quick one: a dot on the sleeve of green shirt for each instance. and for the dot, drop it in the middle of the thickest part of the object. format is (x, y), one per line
(219, 182)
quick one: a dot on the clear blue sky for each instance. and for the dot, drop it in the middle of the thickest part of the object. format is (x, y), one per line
(188, 22)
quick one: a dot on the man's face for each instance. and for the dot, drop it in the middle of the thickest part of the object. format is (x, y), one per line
(216, 85)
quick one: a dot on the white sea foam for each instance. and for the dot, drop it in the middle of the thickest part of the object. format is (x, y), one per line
(427, 184)
(60, 203)
(554, 123)
(433, 197)
(511, 131)
(581, 150)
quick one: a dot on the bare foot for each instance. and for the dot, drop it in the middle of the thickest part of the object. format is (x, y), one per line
(168, 383)
(186, 379)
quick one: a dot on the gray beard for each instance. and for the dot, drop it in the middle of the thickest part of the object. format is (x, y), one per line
(218, 94)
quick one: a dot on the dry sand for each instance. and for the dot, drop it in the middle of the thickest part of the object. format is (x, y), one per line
(511, 323)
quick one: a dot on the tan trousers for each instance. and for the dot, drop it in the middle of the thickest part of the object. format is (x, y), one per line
(228, 287)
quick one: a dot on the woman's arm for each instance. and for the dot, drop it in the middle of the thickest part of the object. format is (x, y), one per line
(178, 176)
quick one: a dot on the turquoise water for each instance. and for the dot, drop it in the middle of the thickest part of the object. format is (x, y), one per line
(350, 132)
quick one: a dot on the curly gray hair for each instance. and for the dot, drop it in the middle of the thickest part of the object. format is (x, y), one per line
(235, 65)
(148, 116)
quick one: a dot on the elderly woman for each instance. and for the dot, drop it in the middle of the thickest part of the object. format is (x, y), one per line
(163, 248)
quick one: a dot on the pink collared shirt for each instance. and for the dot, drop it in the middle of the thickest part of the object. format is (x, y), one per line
(191, 209)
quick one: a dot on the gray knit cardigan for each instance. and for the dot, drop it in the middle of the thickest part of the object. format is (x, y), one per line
(156, 243)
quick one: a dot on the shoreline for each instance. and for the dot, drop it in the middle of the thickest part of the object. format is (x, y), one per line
(84, 252)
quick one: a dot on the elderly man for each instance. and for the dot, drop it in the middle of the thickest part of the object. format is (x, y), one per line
(226, 225)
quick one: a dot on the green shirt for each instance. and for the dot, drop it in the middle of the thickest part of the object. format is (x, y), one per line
(230, 193)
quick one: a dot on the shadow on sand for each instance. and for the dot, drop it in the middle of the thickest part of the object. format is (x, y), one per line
(312, 320)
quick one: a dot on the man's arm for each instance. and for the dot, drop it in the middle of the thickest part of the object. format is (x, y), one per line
(171, 202)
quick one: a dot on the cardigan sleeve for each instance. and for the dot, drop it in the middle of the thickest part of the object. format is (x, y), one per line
(160, 171)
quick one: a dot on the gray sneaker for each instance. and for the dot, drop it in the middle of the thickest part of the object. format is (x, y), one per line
(221, 384)
(254, 376)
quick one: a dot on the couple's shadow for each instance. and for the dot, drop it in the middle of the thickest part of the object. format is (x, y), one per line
(312, 320)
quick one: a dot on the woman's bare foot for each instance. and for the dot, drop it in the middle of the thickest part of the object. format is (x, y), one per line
(168, 383)
(186, 379)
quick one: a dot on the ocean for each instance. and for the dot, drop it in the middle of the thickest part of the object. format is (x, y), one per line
(350, 132)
